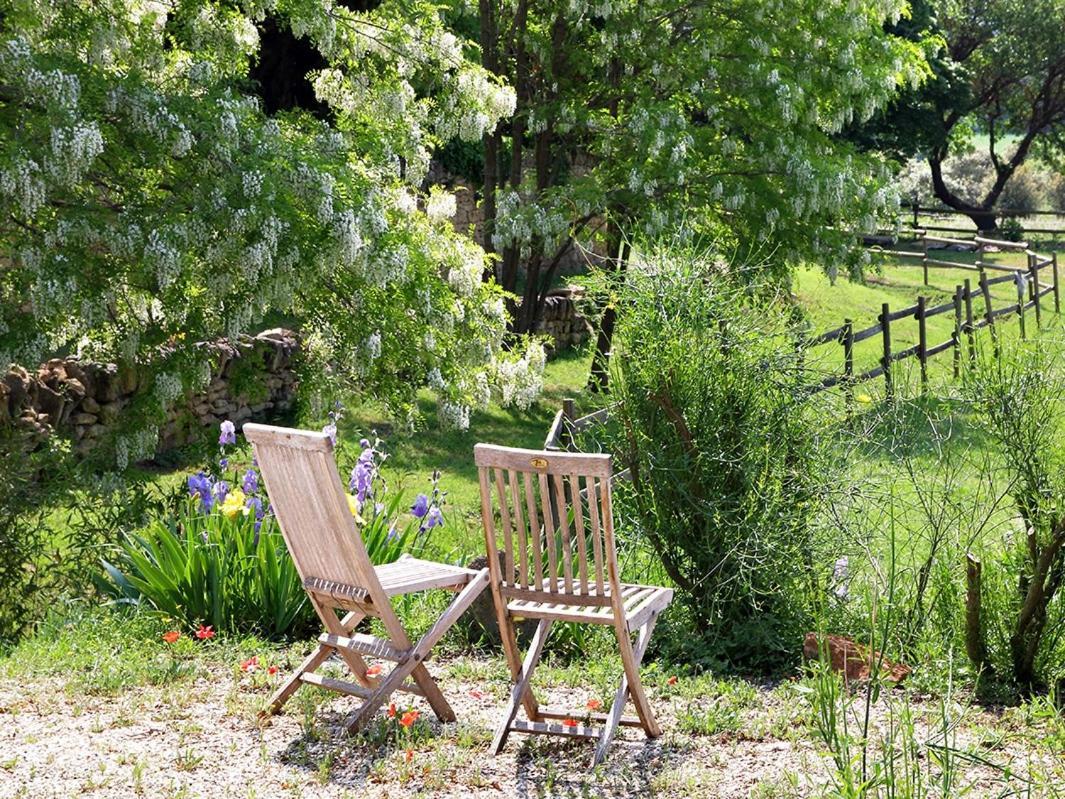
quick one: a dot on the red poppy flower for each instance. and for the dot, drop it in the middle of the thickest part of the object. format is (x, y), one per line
(251, 664)
(272, 670)
(594, 704)
(391, 710)
(205, 633)
(408, 718)
(171, 637)
(410, 755)
(672, 680)
(569, 722)
(374, 670)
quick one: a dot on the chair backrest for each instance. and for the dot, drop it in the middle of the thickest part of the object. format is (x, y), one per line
(311, 507)
(556, 520)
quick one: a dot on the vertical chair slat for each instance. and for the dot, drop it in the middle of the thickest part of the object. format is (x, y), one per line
(597, 546)
(508, 543)
(578, 524)
(522, 537)
(549, 532)
(562, 507)
(534, 532)
(488, 519)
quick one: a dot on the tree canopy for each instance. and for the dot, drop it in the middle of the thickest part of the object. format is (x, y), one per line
(149, 202)
(655, 112)
(1000, 73)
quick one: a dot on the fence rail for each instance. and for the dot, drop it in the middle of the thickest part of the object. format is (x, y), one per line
(916, 212)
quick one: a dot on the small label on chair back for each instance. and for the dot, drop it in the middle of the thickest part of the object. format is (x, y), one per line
(538, 463)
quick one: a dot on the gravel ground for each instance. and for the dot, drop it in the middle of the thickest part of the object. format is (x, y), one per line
(202, 739)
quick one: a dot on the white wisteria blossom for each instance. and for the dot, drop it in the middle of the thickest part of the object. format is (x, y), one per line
(150, 201)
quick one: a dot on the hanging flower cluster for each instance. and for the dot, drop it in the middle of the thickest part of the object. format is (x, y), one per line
(150, 203)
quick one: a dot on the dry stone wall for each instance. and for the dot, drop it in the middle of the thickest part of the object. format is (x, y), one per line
(253, 378)
(561, 319)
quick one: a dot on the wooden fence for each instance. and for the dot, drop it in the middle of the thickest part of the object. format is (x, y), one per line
(1033, 282)
(943, 214)
(972, 309)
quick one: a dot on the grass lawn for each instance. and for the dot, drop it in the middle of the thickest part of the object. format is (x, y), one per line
(414, 456)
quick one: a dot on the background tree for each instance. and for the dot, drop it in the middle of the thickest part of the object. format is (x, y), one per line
(643, 114)
(999, 73)
(149, 201)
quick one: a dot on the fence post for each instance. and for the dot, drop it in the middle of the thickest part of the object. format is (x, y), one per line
(569, 413)
(848, 359)
(969, 331)
(922, 342)
(885, 325)
(1019, 282)
(974, 634)
(1057, 296)
(988, 310)
(957, 331)
(924, 257)
(1033, 270)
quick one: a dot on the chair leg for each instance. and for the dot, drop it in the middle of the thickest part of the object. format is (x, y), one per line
(509, 637)
(630, 660)
(628, 687)
(414, 665)
(310, 663)
(521, 684)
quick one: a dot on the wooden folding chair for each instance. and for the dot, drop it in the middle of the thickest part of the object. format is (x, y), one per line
(560, 564)
(312, 510)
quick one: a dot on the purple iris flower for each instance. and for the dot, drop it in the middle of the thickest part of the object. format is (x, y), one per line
(361, 482)
(200, 486)
(420, 506)
(255, 504)
(364, 443)
(331, 433)
(251, 481)
(221, 488)
(223, 463)
(393, 533)
(433, 519)
(228, 433)
(196, 483)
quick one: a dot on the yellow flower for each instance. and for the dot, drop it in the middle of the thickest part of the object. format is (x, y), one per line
(864, 398)
(233, 504)
(353, 506)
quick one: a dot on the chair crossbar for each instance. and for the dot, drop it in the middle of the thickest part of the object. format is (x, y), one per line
(365, 645)
(545, 728)
(599, 718)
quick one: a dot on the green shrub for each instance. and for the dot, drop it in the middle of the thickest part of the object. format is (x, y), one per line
(1019, 399)
(56, 518)
(711, 416)
(1011, 229)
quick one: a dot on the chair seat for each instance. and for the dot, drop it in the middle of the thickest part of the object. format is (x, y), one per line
(638, 602)
(404, 576)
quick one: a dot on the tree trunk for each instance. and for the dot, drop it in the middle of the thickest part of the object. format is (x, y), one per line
(599, 377)
(985, 219)
(491, 140)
